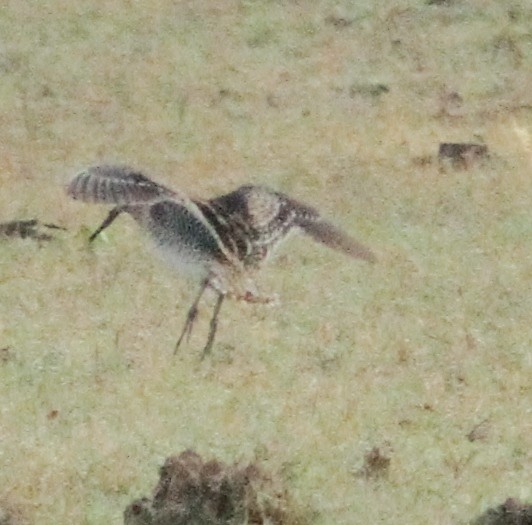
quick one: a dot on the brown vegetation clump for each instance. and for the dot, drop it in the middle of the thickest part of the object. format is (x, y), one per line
(511, 512)
(196, 492)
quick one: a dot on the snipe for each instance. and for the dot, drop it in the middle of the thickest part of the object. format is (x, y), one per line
(221, 240)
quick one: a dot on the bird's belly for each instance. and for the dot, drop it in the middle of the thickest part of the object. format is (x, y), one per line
(185, 261)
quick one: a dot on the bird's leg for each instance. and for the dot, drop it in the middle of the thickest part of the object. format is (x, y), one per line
(213, 325)
(113, 214)
(191, 316)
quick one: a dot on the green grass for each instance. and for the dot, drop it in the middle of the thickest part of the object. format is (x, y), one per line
(411, 353)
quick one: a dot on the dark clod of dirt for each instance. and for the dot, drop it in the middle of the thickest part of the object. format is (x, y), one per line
(192, 491)
(462, 154)
(27, 229)
(511, 512)
(376, 464)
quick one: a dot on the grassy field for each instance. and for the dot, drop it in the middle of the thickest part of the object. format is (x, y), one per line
(342, 105)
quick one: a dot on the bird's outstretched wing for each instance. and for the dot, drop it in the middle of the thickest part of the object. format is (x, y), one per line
(324, 232)
(118, 185)
(311, 223)
(253, 220)
(127, 189)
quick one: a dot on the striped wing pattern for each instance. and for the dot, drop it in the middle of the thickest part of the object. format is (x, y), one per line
(125, 187)
(245, 225)
(119, 185)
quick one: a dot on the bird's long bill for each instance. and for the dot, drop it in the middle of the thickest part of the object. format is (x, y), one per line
(326, 233)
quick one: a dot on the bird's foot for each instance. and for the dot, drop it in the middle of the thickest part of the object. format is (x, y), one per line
(250, 297)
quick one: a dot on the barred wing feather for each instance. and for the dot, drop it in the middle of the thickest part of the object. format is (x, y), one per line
(118, 185)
